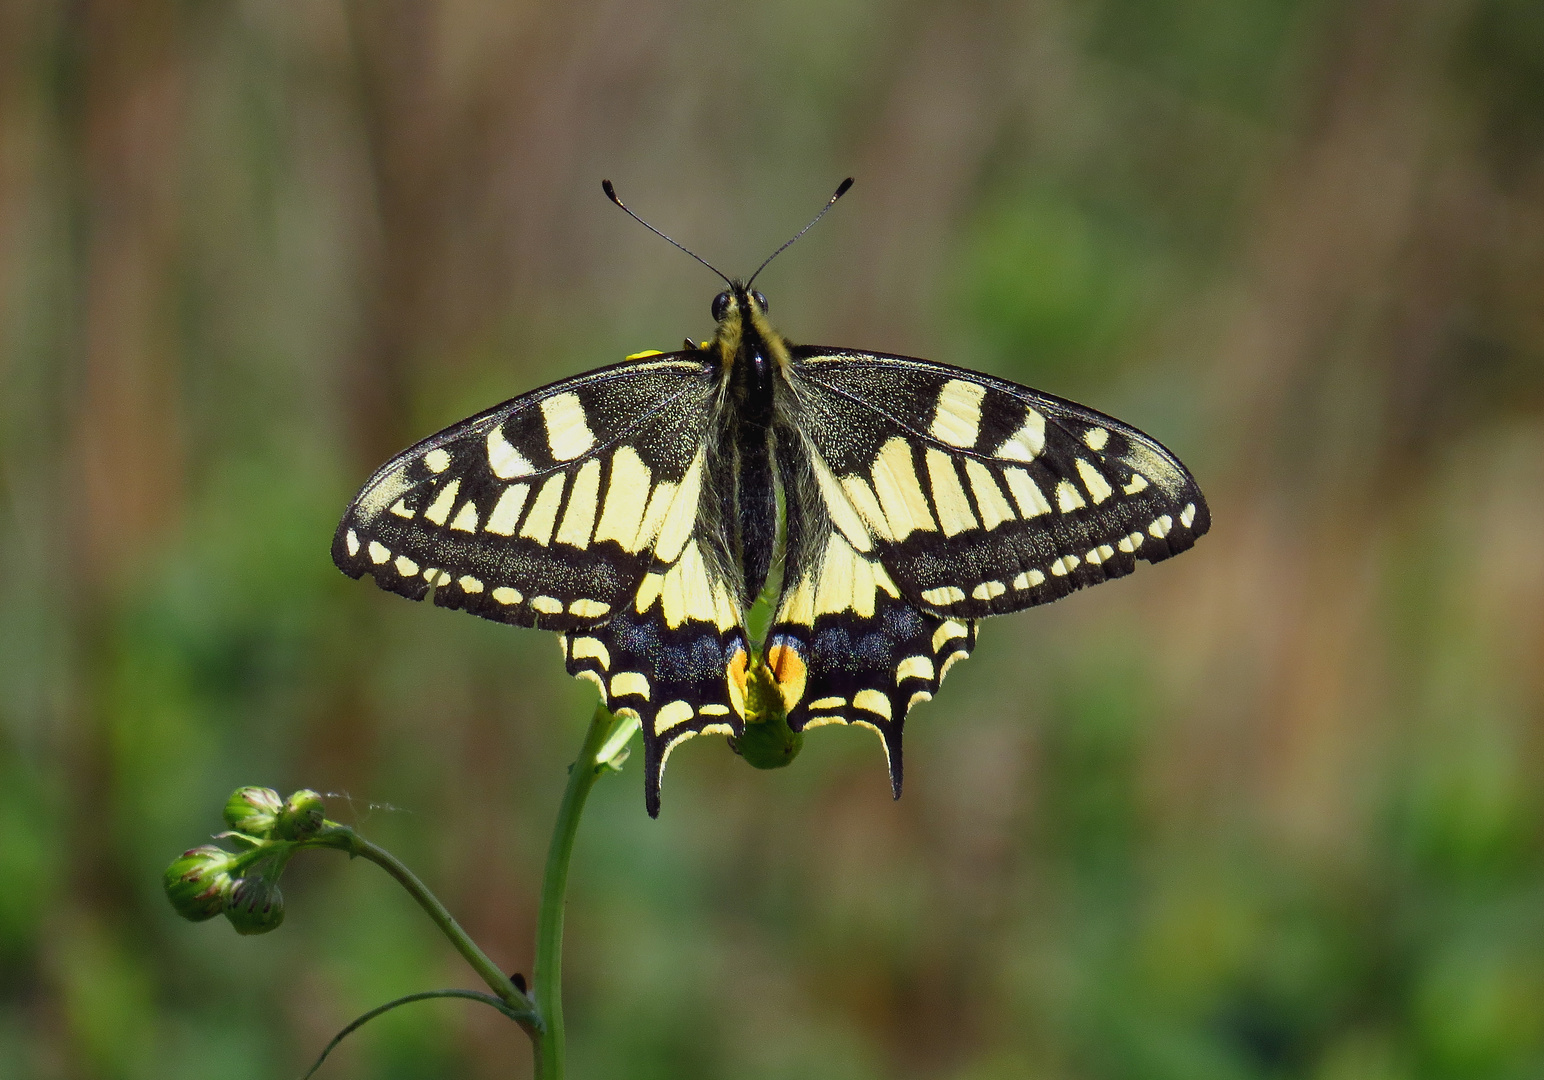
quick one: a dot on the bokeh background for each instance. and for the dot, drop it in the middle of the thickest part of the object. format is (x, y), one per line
(1272, 810)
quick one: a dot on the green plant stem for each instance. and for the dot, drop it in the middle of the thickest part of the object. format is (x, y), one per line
(547, 974)
(470, 995)
(519, 1004)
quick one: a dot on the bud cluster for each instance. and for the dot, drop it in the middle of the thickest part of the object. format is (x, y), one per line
(244, 885)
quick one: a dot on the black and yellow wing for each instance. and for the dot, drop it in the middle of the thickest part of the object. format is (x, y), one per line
(577, 508)
(930, 496)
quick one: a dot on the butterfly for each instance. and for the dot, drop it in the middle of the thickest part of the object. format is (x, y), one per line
(640, 510)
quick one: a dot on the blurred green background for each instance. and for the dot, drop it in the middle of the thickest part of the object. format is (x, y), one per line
(1272, 810)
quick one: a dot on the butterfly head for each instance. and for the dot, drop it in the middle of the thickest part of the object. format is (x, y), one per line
(744, 329)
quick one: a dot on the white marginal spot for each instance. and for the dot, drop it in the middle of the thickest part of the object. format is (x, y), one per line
(1094, 557)
(670, 715)
(505, 595)
(378, 552)
(630, 683)
(823, 721)
(405, 566)
(828, 703)
(948, 630)
(1135, 484)
(583, 500)
(1067, 497)
(470, 584)
(1098, 487)
(400, 508)
(915, 667)
(588, 648)
(1029, 579)
(1026, 493)
(436, 577)
(544, 511)
(917, 699)
(466, 518)
(1189, 515)
(585, 609)
(1064, 565)
(592, 677)
(873, 701)
(944, 595)
(436, 460)
(351, 541)
(949, 662)
(506, 512)
(439, 509)
(714, 710)
(1095, 438)
(1026, 443)
(1106, 551)
(547, 605)
(568, 430)
(988, 589)
(957, 415)
(505, 461)
(1161, 527)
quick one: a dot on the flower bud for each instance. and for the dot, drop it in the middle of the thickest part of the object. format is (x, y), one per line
(767, 741)
(300, 817)
(256, 905)
(252, 810)
(199, 883)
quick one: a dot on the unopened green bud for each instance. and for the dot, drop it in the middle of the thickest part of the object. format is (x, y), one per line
(199, 883)
(252, 810)
(767, 742)
(256, 905)
(300, 817)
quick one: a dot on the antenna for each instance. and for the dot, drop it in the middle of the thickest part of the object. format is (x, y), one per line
(611, 193)
(840, 191)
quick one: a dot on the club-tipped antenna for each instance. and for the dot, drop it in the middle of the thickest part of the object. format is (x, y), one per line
(611, 193)
(840, 191)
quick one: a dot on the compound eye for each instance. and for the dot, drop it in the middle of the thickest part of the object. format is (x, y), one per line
(761, 301)
(720, 306)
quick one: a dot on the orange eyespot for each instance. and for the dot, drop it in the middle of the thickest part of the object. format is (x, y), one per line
(737, 670)
(790, 671)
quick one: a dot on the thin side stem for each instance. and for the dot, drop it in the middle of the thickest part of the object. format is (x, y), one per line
(547, 973)
(470, 995)
(347, 839)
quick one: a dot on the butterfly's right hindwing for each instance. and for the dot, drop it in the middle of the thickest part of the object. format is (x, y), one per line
(547, 510)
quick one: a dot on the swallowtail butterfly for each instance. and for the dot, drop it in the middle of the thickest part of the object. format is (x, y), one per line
(640, 509)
